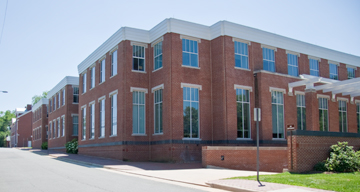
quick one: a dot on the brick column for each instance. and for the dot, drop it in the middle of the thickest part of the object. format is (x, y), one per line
(312, 110)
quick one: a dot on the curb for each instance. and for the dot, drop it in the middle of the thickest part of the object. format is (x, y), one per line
(229, 188)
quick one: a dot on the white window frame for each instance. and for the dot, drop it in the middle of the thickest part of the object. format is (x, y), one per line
(75, 94)
(63, 125)
(282, 91)
(137, 57)
(145, 91)
(197, 51)
(92, 77)
(248, 88)
(297, 55)
(340, 102)
(114, 64)
(58, 127)
(83, 124)
(84, 83)
(302, 106)
(112, 95)
(92, 120)
(102, 71)
(327, 110)
(235, 40)
(153, 90)
(199, 87)
(75, 115)
(63, 97)
(54, 128)
(101, 117)
(158, 55)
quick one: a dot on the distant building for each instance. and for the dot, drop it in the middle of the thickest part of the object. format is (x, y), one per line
(39, 123)
(63, 113)
(21, 128)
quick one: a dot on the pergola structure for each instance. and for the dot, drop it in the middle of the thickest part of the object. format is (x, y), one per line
(349, 87)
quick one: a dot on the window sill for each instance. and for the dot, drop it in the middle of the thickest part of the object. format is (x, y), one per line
(242, 69)
(75, 135)
(248, 139)
(196, 139)
(157, 69)
(112, 135)
(75, 103)
(83, 139)
(138, 71)
(113, 76)
(190, 67)
(158, 134)
(134, 134)
(91, 139)
(101, 82)
(91, 88)
(101, 137)
(280, 139)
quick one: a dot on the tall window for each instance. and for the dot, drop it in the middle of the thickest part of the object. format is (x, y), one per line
(50, 130)
(114, 63)
(333, 71)
(241, 55)
(58, 104)
(54, 102)
(268, 59)
(47, 132)
(158, 56)
(58, 127)
(277, 102)
(63, 97)
(190, 53)
(292, 65)
(63, 126)
(342, 116)
(358, 116)
(102, 118)
(301, 112)
(75, 127)
(138, 112)
(75, 94)
(314, 67)
(114, 114)
(191, 112)
(92, 121)
(50, 106)
(83, 115)
(92, 77)
(54, 129)
(158, 119)
(138, 58)
(351, 73)
(84, 83)
(102, 71)
(323, 114)
(243, 113)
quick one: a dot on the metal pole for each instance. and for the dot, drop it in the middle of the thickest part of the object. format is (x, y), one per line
(257, 145)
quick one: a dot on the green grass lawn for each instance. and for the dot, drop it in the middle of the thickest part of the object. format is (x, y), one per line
(348, 182)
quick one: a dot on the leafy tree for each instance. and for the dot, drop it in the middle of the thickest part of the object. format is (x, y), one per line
(5, 122)
(37, 98)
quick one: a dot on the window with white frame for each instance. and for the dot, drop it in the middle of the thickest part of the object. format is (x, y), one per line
(58, 127)
(47, 132)
(63, 127)
(292, 65)
(113, 99)
(333, 71)
(323, 114)
(158, 56)
(138, 58)
(54, 102)
(191, 112)
(102, 71)
(75, 123)
(243, 113)
(63, 96)
(277, 105)
(342, 116)
(138, 112)
(190, 53)
(75, 94)
(314, 67)
(301, 111)
(50, 130)
(54, 129)
(92, 77)
(102, 117)
(83, 116)
(268, 59)
(92, 121)
(114, 63)
(50, 106)
(351, 73)
(58, 101)
(158, 103)
(241, 55)
(84, 83)
(358, 116)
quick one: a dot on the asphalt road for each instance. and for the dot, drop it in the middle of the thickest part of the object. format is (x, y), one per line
(26, 171)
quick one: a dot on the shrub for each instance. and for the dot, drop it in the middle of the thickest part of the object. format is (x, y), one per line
(343, 158)
(44, 145)
(72, 146)
(320, 166)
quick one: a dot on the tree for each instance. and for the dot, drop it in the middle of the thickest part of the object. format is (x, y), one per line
(5, 122)
(37, 98)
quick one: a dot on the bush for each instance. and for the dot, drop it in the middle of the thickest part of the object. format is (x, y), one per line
(44, 145)
(72, 146)
(343, 158)
(320, 166)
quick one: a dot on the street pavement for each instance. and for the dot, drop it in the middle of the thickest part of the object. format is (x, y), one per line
(24, 171)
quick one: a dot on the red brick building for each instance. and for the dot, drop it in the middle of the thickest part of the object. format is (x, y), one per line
(21, 128)
(162, 94)
(63, 113)
(39, 123)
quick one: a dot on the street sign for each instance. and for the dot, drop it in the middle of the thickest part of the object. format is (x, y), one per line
(290, 126)
(257, 114)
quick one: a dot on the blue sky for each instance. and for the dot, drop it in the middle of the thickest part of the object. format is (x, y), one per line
(44, 41)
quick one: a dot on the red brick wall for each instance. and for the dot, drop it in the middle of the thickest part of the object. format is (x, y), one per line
(272, 159)
(24, 129)
(309, 150)
(40, 121)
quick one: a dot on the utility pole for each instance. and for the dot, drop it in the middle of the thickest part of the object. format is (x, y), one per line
(257, 118)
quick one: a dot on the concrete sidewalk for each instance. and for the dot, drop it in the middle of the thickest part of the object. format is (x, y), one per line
(190, 173)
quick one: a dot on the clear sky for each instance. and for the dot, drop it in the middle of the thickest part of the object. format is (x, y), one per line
(43, 41)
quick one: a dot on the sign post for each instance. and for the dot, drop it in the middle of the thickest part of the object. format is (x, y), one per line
(291, 127)
(257, 118)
